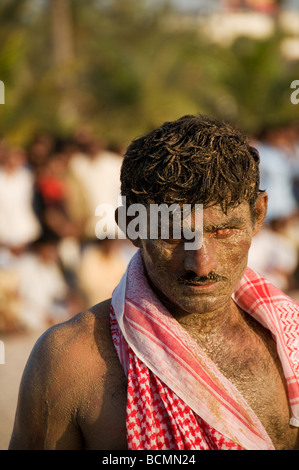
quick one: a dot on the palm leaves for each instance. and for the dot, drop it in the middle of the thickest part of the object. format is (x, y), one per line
(129, 70)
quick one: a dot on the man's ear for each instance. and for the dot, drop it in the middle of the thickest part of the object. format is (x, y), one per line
(123, 219)
(260, 210)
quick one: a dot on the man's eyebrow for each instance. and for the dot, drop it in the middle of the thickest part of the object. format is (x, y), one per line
(236, 222)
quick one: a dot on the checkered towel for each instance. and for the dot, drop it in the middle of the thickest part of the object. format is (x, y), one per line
(177, 398)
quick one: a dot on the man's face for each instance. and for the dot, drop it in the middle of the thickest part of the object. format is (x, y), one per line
(202, 280)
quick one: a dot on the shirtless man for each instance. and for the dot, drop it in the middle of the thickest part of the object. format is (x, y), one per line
(74, 390)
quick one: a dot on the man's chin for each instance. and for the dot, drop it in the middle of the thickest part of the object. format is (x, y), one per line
(205, 303)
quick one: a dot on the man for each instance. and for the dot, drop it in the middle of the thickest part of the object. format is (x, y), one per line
(195, 350)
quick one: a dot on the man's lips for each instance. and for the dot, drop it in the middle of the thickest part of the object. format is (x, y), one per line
(197, 288)
(191, 279)
(199, 284)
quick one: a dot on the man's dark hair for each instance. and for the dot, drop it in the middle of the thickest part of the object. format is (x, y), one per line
(194, 159)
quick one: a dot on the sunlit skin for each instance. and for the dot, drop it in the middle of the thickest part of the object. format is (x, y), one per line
(197, 286)
(73, 393)
(199, 283)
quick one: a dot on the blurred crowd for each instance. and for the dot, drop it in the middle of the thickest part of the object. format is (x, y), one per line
(52, 264)
(275, 249)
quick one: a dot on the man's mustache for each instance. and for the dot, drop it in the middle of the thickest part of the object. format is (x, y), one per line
(189, 277)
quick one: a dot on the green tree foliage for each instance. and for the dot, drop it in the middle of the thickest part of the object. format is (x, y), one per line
(126, 68)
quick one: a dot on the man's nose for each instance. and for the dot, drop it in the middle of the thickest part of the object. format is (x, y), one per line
(203, 260)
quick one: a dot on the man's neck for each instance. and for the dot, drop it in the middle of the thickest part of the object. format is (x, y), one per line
(211, 323)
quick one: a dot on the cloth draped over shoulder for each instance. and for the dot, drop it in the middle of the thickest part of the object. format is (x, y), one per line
(177, 398)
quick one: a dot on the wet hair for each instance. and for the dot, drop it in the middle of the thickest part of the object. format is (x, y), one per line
(195, 159)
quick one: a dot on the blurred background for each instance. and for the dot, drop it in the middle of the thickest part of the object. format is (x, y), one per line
(82, 79)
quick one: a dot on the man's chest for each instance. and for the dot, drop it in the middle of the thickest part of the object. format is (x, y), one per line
(251, 363)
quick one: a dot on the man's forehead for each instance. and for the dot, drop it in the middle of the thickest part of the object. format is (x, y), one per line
(214, 211)
(197, 219)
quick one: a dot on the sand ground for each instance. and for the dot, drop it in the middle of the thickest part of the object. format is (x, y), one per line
(17, 348)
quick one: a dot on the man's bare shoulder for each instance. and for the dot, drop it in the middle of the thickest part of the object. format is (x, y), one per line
(71, 369)
(83, 340)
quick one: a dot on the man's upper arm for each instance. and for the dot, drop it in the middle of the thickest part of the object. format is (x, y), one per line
(46, 411)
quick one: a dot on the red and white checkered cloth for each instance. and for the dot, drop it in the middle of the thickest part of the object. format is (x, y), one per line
(177, 398)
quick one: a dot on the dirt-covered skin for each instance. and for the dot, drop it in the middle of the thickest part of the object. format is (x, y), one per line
(196, 287)
(73, 392)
